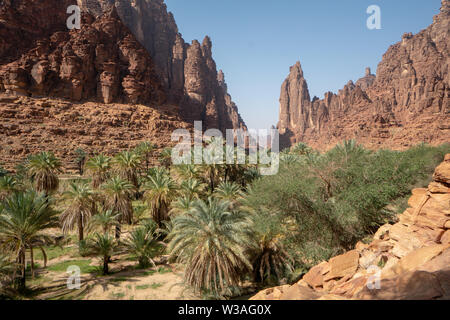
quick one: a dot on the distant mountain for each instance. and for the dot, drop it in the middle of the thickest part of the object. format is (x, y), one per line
(407, 102)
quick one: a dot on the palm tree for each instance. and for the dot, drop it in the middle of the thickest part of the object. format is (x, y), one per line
(6, 269)
(126, 165)
(5, 265)
(160, 190)
(211, 242)
(104, 220)
(289, 159)
(8, 185)
(165, 158)
(182, 206)
(301, 149)
(230, 192)
(23, 218)
(98, 167)
(191, 188)
(145, 149)
(104, 246)
(250, 174)
(143, 244)
(213, 163)
(80, 159)
(82, 207)
(270, 259)
(43, 169)
(186, 172)
(347, 150)
(118, 199)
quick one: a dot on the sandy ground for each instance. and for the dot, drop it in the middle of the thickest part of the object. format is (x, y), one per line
(163, 282)
(137, 287)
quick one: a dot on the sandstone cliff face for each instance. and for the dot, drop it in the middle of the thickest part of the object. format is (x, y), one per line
(101, 61)
(407, 260)
(188, 71)
(126, 51)
(407, 102)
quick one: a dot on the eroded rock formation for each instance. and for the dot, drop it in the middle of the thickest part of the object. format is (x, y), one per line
(407, 102)
(408, 260)
(188, 71)
(101, 61)
(126, 52)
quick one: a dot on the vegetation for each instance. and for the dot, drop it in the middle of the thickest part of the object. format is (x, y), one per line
(211, 241)
(224, 224)
(81, 208)
(118, 192)
(143, 245)
(103, 246)
(43, 169)
(23, 218)
(327, 202)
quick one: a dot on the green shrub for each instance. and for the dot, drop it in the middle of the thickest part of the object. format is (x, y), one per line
(325, 203)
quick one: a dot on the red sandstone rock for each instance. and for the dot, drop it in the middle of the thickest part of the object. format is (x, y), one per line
(100, 61)
(188, 72)
(408, 101)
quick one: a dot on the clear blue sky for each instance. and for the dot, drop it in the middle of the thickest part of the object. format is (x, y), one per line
(256, 41)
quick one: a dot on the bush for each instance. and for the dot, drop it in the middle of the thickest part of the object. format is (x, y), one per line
(83, 248)
(327, 202)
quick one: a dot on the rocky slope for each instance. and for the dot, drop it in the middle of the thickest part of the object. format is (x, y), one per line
(188, 71)
(407, 102)
(410, 259)
(31, 125)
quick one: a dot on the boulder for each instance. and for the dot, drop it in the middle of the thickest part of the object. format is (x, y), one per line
(414, 260)
(445, 239)
(442, 172)
(343, 265)
(315, 277)
(299, 292)
(413, 285)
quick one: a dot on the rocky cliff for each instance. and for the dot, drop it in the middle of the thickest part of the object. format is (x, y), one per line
(188, 71)
(125, 52)
(101, 61)
(407, 102)
(408, 260)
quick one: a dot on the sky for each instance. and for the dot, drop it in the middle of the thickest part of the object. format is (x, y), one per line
(256, 41)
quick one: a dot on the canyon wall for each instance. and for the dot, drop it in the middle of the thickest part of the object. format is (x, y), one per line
(125, 52)
(407, 102)
(188, 71)
(102, 61)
